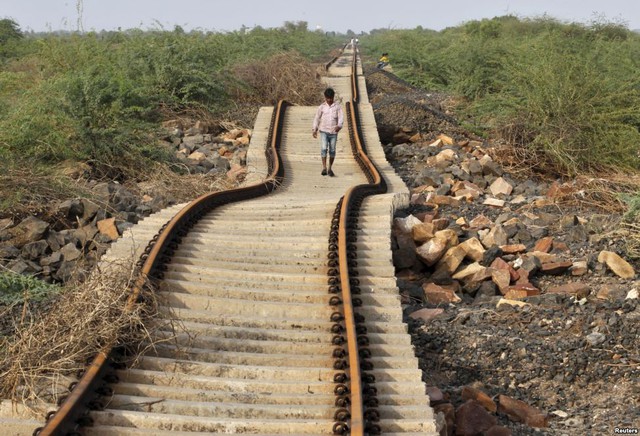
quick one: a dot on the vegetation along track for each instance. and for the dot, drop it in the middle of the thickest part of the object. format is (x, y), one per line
(287, 315)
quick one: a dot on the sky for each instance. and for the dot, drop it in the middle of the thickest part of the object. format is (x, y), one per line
(328, 15)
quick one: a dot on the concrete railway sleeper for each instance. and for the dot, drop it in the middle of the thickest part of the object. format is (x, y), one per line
(295, 326)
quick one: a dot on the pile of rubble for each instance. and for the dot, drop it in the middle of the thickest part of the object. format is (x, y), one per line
(482, 234)
(521, 311)
(203, 152)
(77, 232)
(521, 306)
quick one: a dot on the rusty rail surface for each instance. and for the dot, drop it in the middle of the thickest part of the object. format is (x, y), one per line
(363, 402)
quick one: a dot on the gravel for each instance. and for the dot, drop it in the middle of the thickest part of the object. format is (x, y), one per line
(575, 360)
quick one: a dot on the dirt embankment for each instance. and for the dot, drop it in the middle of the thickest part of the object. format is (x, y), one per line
(561, 355)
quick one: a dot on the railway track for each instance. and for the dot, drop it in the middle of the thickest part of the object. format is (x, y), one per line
(289, 318)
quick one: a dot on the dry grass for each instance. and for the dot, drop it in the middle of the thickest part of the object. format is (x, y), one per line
(182, 187)
(632, 239)
(600, 191)
(47, 350)
(521, 162)
(49, 347)
(283, 76)
(27, 190)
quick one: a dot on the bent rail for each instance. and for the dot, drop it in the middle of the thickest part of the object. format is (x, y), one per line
(73, 409)
(362, 393)
(358, 408)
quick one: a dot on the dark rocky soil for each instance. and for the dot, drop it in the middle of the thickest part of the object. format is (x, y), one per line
(575, 360)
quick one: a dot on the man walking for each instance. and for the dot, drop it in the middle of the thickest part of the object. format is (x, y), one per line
(328, 121)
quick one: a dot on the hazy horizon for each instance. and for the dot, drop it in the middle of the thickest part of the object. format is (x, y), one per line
(329, 15)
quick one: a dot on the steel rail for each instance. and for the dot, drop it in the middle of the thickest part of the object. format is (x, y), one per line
(335, 58)
(360, 420)
(73, 411)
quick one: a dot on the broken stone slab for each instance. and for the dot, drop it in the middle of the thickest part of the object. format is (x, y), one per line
(473, 271)
(499, 264)
(513, 248)
(520, 411)
(579, 290)
(436, 294)
(426, 314)
(518, 291)
(579, 268)
(474, 249)
(472, 418)
(471, 393)
(494, 202)
(443, 200)
(452, 259)
(436, 396)
(422, 232)
(30, 229)
(405, 225)
(501, 278)
(108, 228)
(543, 245)
(611, 293)
(496, 236)
(480, 222)
(616, 264)
(500, 187)
(404, 252)
(556, 268)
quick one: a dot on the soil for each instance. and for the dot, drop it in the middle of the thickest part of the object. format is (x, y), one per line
(575, 360)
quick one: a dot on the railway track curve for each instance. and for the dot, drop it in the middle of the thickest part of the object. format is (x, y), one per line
(293, 325)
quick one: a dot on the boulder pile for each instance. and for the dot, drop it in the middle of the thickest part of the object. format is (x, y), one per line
(77, 232)
(203, 152)
(476, 233)
(522, 309)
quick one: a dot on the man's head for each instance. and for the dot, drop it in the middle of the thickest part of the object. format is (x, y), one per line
(329, 94)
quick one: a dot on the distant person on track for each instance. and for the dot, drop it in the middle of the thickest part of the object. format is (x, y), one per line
(328, 120)
(383, 61)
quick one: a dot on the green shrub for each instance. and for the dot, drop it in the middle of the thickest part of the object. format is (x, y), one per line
(633, 207)
(570, 93)
(101, 97)
(15, 288)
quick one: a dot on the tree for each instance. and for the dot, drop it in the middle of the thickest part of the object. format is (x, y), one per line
(9, 30)
(297, 26)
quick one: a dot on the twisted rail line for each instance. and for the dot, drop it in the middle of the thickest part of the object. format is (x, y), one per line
(293, 325)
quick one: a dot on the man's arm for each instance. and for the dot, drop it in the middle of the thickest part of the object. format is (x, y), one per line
(340, 118)
(316, 121)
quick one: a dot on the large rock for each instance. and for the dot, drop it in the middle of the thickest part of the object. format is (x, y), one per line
(618, 265)
(520, 411)
(473, 419)
(30, 229)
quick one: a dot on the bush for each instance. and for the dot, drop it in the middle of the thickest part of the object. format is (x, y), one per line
(15, 288)
(569, 93)
(284, 75)
(99, 98)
